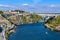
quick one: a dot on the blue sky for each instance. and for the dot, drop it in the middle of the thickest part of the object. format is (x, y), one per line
(10, 2)
(31, 5)
(36, 2)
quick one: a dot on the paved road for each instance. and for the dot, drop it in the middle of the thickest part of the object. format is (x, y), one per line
(1, 36)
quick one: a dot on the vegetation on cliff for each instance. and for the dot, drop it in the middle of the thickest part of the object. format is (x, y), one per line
(1, 12)
(25, 18)
(35, 18)
(20, 11)
(54, 23)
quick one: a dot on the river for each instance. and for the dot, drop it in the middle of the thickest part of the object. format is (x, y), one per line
(35, 31)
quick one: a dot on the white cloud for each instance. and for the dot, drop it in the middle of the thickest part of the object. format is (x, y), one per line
(2, 5)
(28, 5)
(54, 6)
(50, 6)
(25, 4)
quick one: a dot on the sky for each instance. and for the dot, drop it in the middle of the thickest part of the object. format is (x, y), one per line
(52, 6)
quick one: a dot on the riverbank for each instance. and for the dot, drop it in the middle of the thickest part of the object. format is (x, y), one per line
(9, 32)
(57, 29)
(7, 27)
(47, 26)
(53, 23)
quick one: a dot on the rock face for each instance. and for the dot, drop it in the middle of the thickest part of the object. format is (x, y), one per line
(57, 28)
(25, 18)
(54, 23)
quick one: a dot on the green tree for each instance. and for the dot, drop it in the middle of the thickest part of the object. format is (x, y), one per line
(1, 12)
(20, 11)
(23, 19)
(35, 17)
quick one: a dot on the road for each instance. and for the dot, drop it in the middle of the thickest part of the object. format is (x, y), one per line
(2, 36)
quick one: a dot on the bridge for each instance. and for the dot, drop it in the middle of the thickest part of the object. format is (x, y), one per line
(47, 16)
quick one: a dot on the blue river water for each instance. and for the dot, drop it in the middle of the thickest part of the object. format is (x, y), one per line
(35, 31)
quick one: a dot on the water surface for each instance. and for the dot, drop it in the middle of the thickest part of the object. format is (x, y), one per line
(35, 31)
